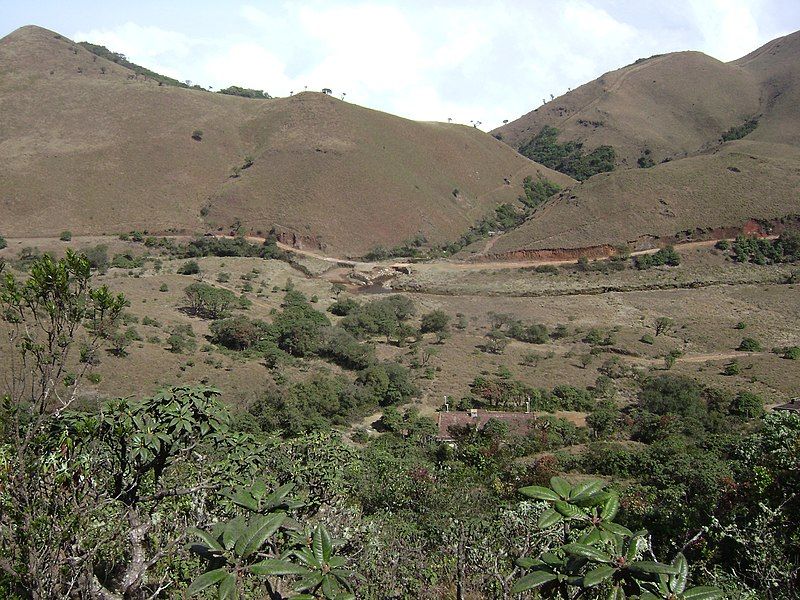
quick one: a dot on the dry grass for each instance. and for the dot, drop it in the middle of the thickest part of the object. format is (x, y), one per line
(103, 153)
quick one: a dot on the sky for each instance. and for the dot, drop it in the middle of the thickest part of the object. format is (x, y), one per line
(470, 61)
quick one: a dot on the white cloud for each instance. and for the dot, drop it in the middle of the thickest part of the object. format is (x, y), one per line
(729, 27)
(484, 61)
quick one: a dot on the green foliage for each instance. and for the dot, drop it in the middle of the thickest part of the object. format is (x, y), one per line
(568, 158)
(249, 550)
(434, 321)
(238, 333)
(209, 301)
(190, 267)
(739, 131)
(747, 405)
(749, 344)
(66, 236)
(785, 249)
(665, 256)
(671, 394)
(645, 161)
(598, 552)
(3, 242)
(343, 307)
(380, 317)
(537, 191)
(235, 90)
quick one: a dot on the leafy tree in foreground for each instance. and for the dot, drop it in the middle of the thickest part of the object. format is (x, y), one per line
(598, 554)
(245, 553)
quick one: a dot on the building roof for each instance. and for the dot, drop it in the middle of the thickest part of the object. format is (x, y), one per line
(793, 404)
(518, 422)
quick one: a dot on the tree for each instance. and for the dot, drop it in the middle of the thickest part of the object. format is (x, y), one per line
(747, 405)
(434, 321)
(41, 518)
(749, 344)
(663, 325)
(189, 268)
(209, 301)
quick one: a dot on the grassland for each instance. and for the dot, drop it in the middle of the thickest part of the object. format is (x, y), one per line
(707, 297)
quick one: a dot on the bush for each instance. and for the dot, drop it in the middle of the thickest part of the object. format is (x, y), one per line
(749, 345)
(666, 256)
(164, 288)
(189, 268)
(209, 301)
(3, 242)
(343, 307)
(98, 257)
(238, 333)
(747, 405)
(197, 135)
(65, 236)
(792, 353)
(671, 394)
(434, 322)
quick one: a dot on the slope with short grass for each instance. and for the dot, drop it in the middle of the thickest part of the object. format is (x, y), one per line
(90, 146)
(677, 106)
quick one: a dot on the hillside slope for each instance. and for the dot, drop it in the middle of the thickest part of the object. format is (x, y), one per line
(716, 185)
(88, 145)
(672, 105)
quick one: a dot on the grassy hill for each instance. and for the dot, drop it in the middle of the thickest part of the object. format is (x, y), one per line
(94, 147)
(677, 107)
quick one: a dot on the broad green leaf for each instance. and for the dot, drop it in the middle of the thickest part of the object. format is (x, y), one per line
(317, 547)
(677, 582)
(207, 580)
(616, 528)
(260, 529)
(597, 575)
(586, 488)
(610, 508)
(208, 539)
(703, 593)
(232, 531)
(531, 581)
(650, 567)
(311, 581)
(276, 566)
(540, 493)
(560, 486)
(569, 510)
(596, 499)
(587, 552)
(327, 545)
(227, 588)
(526, 562)
(245, 499)
(548, 518)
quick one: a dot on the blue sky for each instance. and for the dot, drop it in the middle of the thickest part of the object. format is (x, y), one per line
(470, 61)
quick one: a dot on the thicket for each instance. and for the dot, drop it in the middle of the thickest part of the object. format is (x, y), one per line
(568, 158)
(235, 90)
(665, 256)
(737, 132)
(761, 251)
(122, 60)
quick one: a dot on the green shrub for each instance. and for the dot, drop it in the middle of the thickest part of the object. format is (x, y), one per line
(666, 256)
(65, 236)
(749, 344)
(3, 242)
(792, 353)
(434, 321)
(189, 268)
(740, 131)
(747, 405)
(164, 288)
